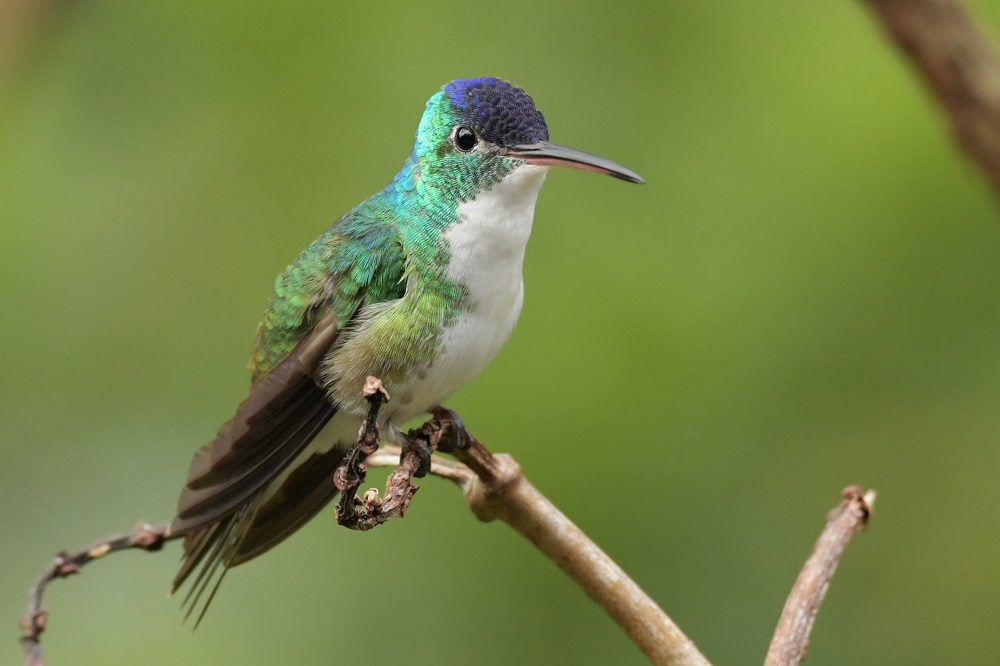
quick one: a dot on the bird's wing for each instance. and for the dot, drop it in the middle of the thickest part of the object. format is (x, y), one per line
(314, 299)
(284, 411)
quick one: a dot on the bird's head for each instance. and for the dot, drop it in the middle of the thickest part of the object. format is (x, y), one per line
(476, 131)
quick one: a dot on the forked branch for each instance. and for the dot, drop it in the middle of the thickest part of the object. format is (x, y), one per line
(496, 488)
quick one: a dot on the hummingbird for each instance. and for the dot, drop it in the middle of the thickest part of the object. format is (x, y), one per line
(419, 285)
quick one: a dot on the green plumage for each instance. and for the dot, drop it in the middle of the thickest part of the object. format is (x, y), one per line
(357, 262)
(387, 248)
(375, 294)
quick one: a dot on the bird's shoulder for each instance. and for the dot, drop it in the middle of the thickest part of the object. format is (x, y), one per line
(357, 261)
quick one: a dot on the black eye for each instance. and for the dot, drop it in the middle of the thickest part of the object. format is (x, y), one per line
(465, 139)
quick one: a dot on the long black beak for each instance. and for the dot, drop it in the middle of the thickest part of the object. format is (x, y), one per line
(549, 154)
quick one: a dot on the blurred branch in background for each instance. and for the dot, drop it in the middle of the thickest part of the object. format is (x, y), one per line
(495, 488)
(15, 17)
(22, 24)
(958, 64)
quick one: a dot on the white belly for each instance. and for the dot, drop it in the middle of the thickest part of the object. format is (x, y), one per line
(486, 255)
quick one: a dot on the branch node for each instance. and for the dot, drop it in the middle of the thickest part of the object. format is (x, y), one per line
(144, 536)
(487, 496)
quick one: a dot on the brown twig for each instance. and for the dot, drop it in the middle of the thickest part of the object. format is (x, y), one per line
(144, 537)
(413, 461)
(791, 637)
(495, 487)
(350, 474)
(958, 64)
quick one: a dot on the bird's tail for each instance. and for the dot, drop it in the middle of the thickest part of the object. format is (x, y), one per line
(262, 523)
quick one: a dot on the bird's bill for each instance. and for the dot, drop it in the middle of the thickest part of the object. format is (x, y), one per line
(549, 154)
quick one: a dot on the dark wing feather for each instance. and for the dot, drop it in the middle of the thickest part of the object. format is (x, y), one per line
(283, 413)
(224, 522)
(307, 489)
(196, 547)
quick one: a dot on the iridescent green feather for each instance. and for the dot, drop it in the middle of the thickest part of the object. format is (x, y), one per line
(350, 265)
(392, 245)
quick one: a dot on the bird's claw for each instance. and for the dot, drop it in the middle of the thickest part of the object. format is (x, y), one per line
(422, 448)
(454, 436)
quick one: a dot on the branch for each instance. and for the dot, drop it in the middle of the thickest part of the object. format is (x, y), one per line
(494, 487)
(791, 637)
(414, 461)
(350, 474)
(144, 537)
(960, 67)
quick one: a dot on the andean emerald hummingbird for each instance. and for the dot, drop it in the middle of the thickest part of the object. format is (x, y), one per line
(420, 286)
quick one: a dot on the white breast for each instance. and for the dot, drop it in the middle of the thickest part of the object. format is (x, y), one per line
(486, 254)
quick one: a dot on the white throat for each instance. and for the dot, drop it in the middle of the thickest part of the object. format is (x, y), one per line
(487, 242)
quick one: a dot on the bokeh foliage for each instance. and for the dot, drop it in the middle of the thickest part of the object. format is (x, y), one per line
(803, 296)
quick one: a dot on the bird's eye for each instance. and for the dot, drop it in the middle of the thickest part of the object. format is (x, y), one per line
(465, 139)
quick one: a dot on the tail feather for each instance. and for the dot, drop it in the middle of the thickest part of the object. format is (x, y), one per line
(196, 546)
(301, 496)
(267, 519)
(208, 569)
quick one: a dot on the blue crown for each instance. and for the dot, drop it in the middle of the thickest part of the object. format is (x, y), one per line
(500, 112)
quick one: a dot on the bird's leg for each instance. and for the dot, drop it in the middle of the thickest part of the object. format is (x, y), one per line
(351, 472)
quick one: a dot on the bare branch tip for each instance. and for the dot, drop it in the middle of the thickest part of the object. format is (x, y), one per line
(374, 385)
(863, 500)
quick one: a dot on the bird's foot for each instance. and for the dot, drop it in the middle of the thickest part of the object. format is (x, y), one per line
(448, 434)
(451, 434)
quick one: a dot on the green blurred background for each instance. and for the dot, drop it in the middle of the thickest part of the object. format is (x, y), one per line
(804, 295)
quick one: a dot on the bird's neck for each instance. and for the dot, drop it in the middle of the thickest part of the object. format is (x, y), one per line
(486, 245)
(454, 237)
(495, 206)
